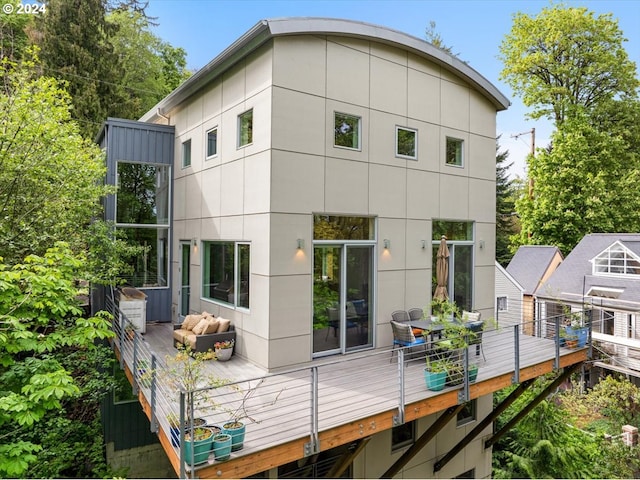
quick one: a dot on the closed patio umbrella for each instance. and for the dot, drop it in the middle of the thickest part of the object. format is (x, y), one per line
(442, 271)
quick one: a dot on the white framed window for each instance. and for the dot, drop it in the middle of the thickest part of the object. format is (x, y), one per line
(454, 153)
(186, 154)
(502, 303)
(245, 128)
(212, 142)
(406, 143)
(226, 272)
(346, 131)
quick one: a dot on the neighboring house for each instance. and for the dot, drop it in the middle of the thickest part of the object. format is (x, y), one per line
(299, 185)
(531, 267)
(603, 273)
(509, 298)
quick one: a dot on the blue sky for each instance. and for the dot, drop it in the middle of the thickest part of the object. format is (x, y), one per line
(473, 28)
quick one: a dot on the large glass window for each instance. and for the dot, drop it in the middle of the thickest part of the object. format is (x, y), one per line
(616, 260)
(226, 272)
(245, 128)
(346, 131)
(142, 218)
(343, 269)
(406, 142)
(460, 277)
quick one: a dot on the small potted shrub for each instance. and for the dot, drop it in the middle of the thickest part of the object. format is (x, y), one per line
(222, 446)
(224, 350)
(198, 443)
(435, 374)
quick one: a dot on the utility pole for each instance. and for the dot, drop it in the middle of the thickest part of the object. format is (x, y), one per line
(532, 132)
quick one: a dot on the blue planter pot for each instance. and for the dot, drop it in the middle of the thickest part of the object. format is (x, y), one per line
(175, 436)
(222, 446)
(200, 449)
(435, 380)
(237, 434)
(581, 332)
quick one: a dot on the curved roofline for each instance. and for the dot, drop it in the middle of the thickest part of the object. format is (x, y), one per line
(265, 30)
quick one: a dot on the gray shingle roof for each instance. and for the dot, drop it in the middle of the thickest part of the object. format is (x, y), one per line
(529, 265)
(574, 278)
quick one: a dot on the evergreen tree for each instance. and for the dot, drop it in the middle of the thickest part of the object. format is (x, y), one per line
(505, 204)
(76, 48)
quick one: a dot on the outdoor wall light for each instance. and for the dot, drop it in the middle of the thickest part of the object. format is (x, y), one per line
(301, 244)
(481, 244)
(424, 244)
(386, 243)
(194, 242)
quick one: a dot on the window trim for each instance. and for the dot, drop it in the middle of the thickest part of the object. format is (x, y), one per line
(415, 143)
(506, 303)
(460, 142)
(358, 148)
(395, 447)
(250, 135)
(186, 145)
(473, 416)
(213, 155)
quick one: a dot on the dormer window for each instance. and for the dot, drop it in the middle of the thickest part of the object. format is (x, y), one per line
(616, 260)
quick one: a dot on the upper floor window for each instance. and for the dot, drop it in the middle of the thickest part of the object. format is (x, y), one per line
(467, 414)
(245, 128)
(186, 154)
(403, 435)
(616, 260)
(346, 131)
(212, 142)
(454, 152)
(226, 272)
(406, 142)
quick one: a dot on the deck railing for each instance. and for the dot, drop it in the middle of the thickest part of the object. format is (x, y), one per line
(301, 403)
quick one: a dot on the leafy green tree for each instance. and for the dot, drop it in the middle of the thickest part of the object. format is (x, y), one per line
(13, 32)
(39, 320)
(566, 57)
(50, 177)
(505, 207)
(151, 68)
(585, 183)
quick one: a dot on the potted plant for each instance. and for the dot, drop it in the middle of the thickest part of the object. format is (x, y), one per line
(236, 426)
(174, 429)
(185, 372)
(224, 349)
(197, 444)
(435, 374)
(222, 446)
(572, 341)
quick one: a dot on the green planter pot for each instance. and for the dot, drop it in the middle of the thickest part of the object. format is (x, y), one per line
(200, 448)
(237, 434)
(473, 373)
(435, 380)
(222, 446)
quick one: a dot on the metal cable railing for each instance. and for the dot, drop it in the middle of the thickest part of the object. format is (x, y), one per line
(306, 401)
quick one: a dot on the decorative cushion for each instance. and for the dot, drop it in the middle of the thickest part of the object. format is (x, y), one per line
(212, 325)
(223, 325)
(180, 334)
(191, 321)
(201, 326)
(417, 332)
(191, 340)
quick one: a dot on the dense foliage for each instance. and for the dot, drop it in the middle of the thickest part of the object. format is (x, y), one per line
(570, 65)
(50, 177)
(506, 224)
(42, 332)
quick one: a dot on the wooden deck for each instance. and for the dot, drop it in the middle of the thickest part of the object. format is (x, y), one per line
(356, 395)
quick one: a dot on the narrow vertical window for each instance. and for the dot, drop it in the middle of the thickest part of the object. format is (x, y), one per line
(186, 154)
(212, 142)
(454, 152)
(406, 143)
(346, 131)
(245, 128)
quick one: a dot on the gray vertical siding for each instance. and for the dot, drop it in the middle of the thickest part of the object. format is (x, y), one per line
(140, 142)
